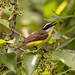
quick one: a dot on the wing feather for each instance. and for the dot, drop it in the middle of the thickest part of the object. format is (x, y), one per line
(37, 36)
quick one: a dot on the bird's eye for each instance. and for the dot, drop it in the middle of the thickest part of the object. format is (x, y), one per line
(49, 25)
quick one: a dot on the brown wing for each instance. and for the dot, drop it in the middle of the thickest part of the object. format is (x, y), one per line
(36, 36)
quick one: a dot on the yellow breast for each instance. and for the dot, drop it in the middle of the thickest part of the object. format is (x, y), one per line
(38, 43)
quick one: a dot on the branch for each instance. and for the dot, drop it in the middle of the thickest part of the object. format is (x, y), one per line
(14, 17)
(14, 13)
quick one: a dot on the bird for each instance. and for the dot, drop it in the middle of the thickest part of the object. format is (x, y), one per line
(39, 37)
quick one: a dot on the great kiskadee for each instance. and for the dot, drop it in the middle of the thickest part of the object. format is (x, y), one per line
(39, 37)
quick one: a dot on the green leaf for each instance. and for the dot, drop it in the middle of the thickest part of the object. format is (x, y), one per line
(60, 66)
(8, 72)
(4, 22)
(65, 56)
(0, 62)
(60, 18)
(71, 45)
(11, 41)
(63, 31)
(4, 26)
(48, 9)
(30, 62)
(2, 41)
(57, 35)
(65, 43)
(69, 8)
(9, 59)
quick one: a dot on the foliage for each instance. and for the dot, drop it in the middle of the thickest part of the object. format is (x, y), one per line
(18, 20)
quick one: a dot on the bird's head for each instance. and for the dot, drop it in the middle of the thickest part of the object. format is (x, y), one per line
(49, 26)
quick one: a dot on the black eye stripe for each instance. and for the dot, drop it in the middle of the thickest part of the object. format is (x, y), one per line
(48, 25)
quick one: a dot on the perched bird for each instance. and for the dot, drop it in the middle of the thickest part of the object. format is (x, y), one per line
(39, 37)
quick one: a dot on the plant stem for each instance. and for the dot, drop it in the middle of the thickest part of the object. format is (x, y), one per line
(14, 18)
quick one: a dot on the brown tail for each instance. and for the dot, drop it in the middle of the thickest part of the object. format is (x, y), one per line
(22, 46)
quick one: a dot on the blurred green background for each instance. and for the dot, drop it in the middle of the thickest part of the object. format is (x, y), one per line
(33, 14)
(59, 59)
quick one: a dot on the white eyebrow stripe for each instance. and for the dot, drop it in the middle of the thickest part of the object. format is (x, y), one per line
(46, 25)
(49, 25)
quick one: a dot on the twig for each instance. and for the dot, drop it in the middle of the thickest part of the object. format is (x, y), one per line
(3, 67)
(14, 17)
(14, 14)
(13, 21)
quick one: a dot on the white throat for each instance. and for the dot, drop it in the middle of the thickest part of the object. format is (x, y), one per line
(50, 29)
